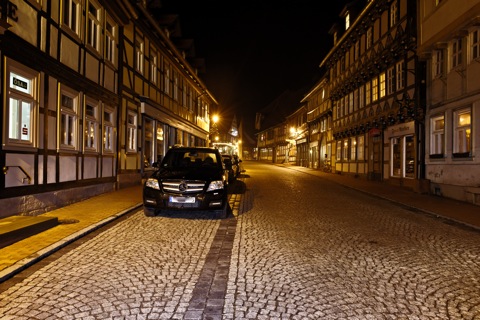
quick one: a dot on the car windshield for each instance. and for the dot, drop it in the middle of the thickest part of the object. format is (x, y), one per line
(189, 158)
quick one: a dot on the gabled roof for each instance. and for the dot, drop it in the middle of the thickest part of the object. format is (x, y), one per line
(276, 112)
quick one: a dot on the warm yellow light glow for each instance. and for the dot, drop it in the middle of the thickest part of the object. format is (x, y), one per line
(292, 130)
(215, 118)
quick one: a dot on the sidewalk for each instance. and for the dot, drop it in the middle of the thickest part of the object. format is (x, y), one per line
(86, 216)
(76, 220)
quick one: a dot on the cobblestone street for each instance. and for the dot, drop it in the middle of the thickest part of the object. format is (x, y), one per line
(295, 246)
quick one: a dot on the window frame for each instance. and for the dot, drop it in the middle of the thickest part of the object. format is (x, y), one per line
(91, 122)
(462, 146)
(23, 88)
(382, 85)
(475, 44)
(108, 129)
(111, 40)
(437, 137)
(438, 63)
(399, 75)
(68, 119)
(94, 26)
(71, 15)
(457, 53)
(132, 132)
(374, 89)
(394, 14)
(154, 65)
(139, 54)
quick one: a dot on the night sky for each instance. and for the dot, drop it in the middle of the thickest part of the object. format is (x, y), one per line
(254, 50)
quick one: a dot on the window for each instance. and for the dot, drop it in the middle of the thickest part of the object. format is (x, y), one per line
(374, 89)
(475, 41)
(347, 21)
(438, 63)
(94, 25)
(339, 151)
(369, 38)
(368, 93)
(356, 53)
(108, 130)
(382, 85)
(353, 148)
(360, 148)
(71, 15)
(153, 65)
(462, 142)
(354, 103)
(399, 76)
(139, 54)
(457, 53)
(131, 131)
(68, 119)
(390, 80)
(167, 79)
(345, 150)
(21, 107)
(361, 98)
(403, 157)
(437, 143)
(110, 41)
(175, 86)
(393, 13)
(350, 103)
(91, 125)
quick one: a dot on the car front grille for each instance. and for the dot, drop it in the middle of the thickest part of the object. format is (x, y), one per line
(183, 186)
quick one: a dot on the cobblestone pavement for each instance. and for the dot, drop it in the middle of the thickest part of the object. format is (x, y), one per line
(295, 247)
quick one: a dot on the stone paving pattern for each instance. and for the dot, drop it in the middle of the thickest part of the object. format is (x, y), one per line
(253, 266)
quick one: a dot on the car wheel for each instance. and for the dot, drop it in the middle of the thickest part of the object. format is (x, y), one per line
(149, 212)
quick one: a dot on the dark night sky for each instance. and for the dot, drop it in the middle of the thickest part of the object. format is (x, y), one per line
(255, 50)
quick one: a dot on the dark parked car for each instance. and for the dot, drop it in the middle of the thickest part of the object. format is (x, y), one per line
(188, 178)
(232, 166)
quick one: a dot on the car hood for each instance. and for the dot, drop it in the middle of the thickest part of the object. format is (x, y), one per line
(206, 174)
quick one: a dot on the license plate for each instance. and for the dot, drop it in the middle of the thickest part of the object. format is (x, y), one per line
(182, 199)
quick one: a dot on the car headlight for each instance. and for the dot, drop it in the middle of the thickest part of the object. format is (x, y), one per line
(152, 183)
(215, 185)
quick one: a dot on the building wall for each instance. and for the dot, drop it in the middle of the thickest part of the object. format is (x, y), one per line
(375, 86)
(76, 106)
(453, 96)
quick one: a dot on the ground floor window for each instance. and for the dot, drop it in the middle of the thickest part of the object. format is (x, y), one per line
(21, 107)
(462, 142)
(403, 156)
(437, 136)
